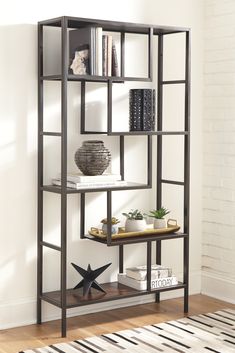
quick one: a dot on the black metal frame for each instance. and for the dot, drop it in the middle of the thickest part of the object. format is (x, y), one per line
(160, 180)
(60, 298)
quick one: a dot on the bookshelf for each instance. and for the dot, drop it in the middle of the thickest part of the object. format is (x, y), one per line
(64, 297)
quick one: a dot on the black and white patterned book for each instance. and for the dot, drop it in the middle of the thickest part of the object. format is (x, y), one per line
(140, 272)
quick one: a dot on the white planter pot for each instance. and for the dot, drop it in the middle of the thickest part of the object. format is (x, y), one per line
(160, 223)
(135, 225)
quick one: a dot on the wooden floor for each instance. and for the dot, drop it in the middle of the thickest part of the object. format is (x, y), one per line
(35, 336)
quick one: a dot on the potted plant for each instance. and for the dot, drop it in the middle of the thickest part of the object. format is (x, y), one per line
(135, 221)
(158, 215)
(114, 228)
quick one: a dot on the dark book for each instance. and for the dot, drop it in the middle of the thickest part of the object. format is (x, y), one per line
(135, 110)
(148, 109)
(109, 55)
(115, 68)
(107, 50)
(104, 54)
(142, 110)
(79, 40)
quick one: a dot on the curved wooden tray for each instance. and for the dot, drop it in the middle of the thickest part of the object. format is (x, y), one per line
(122, 234)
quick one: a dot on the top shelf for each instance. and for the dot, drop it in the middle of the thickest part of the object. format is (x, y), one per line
(112, 26)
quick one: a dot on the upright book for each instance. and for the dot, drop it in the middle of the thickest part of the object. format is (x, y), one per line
(107, 50)
(115, 68)
(104, 54)
(99, 53)
(109, 55)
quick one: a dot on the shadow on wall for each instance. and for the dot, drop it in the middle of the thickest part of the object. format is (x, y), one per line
(18, 167)
(18, 144)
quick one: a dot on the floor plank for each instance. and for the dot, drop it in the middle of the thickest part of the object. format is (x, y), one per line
(35, 336)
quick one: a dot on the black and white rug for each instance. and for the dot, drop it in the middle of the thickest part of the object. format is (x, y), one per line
(212, 332)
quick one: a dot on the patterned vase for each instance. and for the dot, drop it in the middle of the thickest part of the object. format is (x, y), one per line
(92, 158)
(142, 109)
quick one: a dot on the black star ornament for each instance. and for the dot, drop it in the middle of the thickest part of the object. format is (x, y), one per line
(89, 278)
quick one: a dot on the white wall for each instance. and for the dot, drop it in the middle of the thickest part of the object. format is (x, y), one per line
(18, 119)
(218, 251)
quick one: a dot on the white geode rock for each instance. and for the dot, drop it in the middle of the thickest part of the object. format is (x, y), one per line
(80, 62)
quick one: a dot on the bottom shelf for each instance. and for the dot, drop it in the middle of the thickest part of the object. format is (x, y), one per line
(114, 291)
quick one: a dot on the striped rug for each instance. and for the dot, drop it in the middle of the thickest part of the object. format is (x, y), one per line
(212, 332)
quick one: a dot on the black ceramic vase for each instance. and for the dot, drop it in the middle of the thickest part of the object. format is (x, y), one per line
(92, 158)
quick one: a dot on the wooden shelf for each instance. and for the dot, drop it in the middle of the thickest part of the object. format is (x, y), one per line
(114, 291)
(139, 239)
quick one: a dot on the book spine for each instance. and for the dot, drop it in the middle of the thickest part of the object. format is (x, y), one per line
(79, 178)
(109, 56)
(135, 110)
(148, 97)
(142, 285)
(57, 182)
(93, 51)
(73, 185)
(88, 179)
(99, 62)
(105, 53)
(164, 282)
(115, 69)
(142, 275)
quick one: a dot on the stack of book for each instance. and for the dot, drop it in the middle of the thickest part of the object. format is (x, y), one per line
(136, 277)
(80, 181)
(92, 53)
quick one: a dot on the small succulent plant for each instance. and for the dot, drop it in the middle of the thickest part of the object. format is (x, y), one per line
(159, 214)
(134, 215)
(114, 220)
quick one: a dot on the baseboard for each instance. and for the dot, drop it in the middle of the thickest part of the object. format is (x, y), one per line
(218, 287)
(17, 313)
(23, 312)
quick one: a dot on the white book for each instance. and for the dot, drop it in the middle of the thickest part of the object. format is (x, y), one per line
(99, 54)
(92, 56)
(142, 285)
(81, 178)
(95, 185)
(140, 272)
